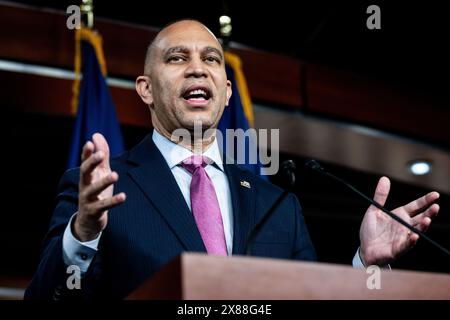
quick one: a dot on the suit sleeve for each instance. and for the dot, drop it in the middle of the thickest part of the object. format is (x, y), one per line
(50, 279)
(303, 247)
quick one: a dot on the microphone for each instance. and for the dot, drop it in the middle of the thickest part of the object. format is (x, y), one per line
(287, 171)
(314, 165)
(288, 168)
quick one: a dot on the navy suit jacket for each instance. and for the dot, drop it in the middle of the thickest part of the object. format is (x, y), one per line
(155, 225)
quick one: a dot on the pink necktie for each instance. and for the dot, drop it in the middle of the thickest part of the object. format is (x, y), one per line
(205, 206)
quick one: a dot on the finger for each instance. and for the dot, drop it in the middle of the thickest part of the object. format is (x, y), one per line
(417, 205)
(105, 204)
(413, 238)
(422, 227)
(424, 224)
(89, 165)
(101, 144)
(382, 190)
(431, 213)
(92, 191)
(88, 149)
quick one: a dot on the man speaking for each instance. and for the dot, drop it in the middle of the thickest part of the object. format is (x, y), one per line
(120, 220)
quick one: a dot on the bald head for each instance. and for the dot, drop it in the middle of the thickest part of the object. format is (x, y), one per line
(184, 81)
(175, 28)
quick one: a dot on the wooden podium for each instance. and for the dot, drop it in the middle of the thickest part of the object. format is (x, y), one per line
(198, 276)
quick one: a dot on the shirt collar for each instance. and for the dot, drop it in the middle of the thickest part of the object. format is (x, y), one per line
(174, 154)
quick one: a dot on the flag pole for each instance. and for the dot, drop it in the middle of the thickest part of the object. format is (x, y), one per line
(92, 104)
(87, 12)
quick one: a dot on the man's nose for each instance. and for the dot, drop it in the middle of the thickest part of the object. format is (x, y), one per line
(196, 68)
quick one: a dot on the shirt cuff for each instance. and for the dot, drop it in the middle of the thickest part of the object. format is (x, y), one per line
(76, 252)
(357, 262)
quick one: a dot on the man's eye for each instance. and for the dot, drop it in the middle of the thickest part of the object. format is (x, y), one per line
(212, 59)
(176, 59)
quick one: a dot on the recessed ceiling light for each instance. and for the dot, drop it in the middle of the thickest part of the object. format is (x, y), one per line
(420, 167)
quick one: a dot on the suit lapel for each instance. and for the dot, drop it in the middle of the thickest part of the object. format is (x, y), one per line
(243, 196)
(157, 182)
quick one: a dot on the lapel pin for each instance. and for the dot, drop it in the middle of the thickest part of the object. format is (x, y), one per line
(245, 184)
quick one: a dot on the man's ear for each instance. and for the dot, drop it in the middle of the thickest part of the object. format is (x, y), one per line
(144, 89)
(229, 92)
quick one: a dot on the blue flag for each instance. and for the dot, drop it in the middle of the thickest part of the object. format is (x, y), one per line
(94, 106)
(239, 112)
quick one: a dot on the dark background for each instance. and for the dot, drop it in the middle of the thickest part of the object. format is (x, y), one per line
(409, 51)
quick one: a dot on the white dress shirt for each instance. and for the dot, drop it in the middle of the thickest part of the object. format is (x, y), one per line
(174, 154)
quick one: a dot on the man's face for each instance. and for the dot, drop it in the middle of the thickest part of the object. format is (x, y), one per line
(187, 79)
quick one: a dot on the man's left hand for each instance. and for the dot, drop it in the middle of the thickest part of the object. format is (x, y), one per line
(384, 239)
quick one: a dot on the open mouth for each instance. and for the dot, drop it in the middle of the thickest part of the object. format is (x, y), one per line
(197, 95)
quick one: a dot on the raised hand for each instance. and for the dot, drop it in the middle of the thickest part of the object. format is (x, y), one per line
(384, 239)
(96, 186)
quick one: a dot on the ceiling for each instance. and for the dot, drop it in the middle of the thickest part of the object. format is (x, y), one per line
(410, 50)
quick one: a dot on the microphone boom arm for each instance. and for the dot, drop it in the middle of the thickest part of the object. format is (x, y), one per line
(314, 165)
(251, 237)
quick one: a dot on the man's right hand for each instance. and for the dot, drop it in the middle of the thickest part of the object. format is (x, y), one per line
(96, 186)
